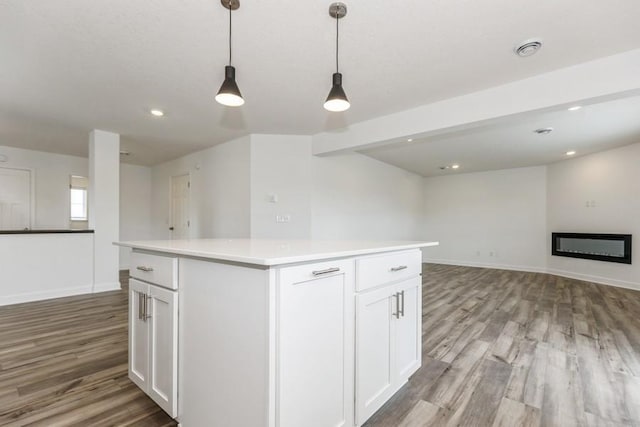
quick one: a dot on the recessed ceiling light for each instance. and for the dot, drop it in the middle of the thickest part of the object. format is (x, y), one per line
(543, 131)
(528, 47)
(575, 108)
(570, 153)
(157, 113)
(410, 140)
(455, 166)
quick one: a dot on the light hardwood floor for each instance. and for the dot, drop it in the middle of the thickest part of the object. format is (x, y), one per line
(504, 348)
(500, 349)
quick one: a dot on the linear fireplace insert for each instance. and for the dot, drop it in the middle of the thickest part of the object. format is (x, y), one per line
(601, 247)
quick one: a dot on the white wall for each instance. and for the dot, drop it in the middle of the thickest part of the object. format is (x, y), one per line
(612, 180)
(51, 172)
(356, 197)
(135, 207)
(348, 196)
(492, 219)
(280, 167)
(219, 196)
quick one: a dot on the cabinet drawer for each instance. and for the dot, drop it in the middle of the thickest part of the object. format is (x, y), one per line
(376, 270)
(156, 269)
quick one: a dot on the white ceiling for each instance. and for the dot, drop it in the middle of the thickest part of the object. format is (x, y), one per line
(511, 142)
(69, 66)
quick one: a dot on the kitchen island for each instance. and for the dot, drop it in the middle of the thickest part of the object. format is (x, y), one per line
(274, 333)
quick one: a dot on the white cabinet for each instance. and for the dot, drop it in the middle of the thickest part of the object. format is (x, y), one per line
(318, 343)
(153, 342)
(388, 343)
(315, 345)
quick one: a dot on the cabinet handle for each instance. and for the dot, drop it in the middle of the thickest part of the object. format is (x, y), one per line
(145, 269)
(327, 271)
(146, 308)
(397, 313)
(399, 268)
(140, 306)
(401, 311)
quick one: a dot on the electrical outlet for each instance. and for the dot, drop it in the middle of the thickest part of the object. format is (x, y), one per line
(283, 218)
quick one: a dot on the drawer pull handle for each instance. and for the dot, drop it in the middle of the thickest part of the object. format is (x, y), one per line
(327, 271)
(145, 269)
(399, 268)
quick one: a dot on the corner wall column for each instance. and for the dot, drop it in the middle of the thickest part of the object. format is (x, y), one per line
(104, 207)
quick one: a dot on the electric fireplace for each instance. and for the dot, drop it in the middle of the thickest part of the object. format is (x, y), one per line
(600, 247)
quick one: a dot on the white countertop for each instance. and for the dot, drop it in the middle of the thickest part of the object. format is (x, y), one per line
(272, 252)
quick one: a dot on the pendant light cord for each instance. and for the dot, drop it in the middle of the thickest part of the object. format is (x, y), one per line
(337, 38)
(230, 3)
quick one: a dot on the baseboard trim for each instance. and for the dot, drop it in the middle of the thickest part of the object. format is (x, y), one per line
(45, 295)
(568, 274)
(595, 279)
(106, 287)
(486, 265)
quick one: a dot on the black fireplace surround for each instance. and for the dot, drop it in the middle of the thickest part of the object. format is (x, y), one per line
(600, 247)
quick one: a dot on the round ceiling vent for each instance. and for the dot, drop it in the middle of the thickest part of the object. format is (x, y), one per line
(528, 47)
(543, 131)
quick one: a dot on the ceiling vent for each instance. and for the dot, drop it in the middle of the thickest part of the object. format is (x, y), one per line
(528, 47)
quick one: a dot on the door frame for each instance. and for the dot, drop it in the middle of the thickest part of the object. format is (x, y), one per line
(32, 191)
(171, 224)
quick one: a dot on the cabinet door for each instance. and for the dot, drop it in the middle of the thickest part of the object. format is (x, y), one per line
(408, 329)
(375, 314)
(138, 334)
(315, 345)
(162, 317)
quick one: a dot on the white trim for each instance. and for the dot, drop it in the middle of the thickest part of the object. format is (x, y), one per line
(106, 287)
(486, 265)
(568, 274)
(58, 293)
(44, 295)
(596, 279)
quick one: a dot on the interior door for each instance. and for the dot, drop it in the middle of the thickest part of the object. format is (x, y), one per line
(375, 343)
(180, 223)
(409, 329)
(15, 199)
(138, 334)
(163, 362)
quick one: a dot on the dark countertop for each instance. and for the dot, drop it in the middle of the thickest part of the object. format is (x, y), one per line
(60, 231)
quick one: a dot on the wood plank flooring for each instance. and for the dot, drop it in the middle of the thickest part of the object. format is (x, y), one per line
(63, 362)
(500, 348)
(504, 348)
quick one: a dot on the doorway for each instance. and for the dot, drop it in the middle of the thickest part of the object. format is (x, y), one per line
(15, 199)
(180, 222)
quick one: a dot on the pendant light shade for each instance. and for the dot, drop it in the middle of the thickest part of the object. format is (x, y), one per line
(337, 100)
(229, 93)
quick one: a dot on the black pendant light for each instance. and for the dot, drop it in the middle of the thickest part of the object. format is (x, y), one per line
(337, 99)
(229, 94)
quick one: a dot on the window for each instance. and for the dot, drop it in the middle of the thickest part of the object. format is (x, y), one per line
(78, 198)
